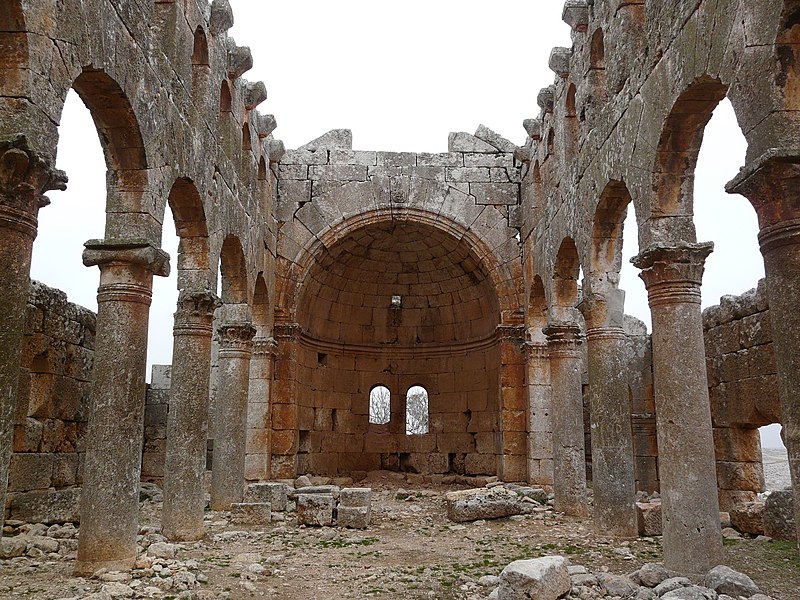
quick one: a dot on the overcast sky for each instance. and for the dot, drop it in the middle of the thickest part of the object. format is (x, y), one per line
(401, 76)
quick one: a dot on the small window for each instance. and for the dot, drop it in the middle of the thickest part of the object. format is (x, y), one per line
(416, 411)
(379, 405)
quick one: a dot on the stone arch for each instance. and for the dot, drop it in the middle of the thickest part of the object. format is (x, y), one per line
(597, 51)
(671, 215)
(123, 147)
(536, 312)
(200, 48)
(313, 252)
(247, 143)
(262, 314)
(605, 253)
(234, 272)
(192, 229)
(225, 97)
(565, 281)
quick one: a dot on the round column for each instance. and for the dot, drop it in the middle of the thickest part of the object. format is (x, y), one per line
(113, 460)
(187, 424)
(24, 177)
(230, 420)
(613, 477)
(569, 457)
(690, 507)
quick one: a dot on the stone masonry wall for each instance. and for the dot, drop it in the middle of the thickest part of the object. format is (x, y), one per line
(743, 386)
(53, 399)
(155, 423)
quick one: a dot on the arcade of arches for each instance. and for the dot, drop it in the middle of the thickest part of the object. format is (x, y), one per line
(343, 270)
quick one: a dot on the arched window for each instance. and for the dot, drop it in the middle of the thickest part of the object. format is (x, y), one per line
(416, 410)
(379, 405)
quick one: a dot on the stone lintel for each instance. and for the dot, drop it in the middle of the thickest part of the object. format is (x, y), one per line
(559, 61)
(576, 14)
(673, 273)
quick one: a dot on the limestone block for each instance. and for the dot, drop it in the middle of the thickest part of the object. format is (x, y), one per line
(648, 517)
(326, 490)
(350, 497)
(30, 472)
(354, 517)
(336, 139)
(748, 518)
(465, 142)
(47, 506)
(494, 139)
(251, 513)
(480, 464)
(276, 494)
(482, 503)
(725, 580)
(495, 193)
(545, 578)
(779, 515)
(315, 510)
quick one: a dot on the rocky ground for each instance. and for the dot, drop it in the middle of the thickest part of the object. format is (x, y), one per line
(411, 550)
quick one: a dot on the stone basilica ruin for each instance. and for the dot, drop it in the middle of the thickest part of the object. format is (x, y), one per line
(346, 270)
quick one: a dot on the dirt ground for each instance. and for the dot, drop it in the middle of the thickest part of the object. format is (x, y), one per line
(411, 550)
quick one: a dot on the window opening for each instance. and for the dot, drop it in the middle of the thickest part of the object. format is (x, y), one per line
(416, 411)
(379, 405)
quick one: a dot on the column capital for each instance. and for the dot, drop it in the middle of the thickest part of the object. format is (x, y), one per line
(287, 332)
(139, 252)
(264, 346)
(195, 312)
(236, 338)
(770, 183)
(514, 333)
(535, 350)
(673, 273)
(563, 338)
(24, 178)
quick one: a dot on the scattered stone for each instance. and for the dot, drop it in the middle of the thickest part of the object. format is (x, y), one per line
(673, 583)
(273, 492)
(748, 517)
(251, 513)
(694, 592)
(162, 550)
(729, 533)
(779, 515)
(353, 517)
(617, 585)
(315, 510)
(648, 516)
(482, 503)
(489, 581)
(12, 547)
(650, 575)
(118, 590)
(545, 578)
(725, 580)
(302, 481)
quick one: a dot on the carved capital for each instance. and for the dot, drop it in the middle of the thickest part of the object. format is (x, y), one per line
(235, 339)
(772, 184)
(103, 253)
(24, 178)
(563, 339)
(673, 273)
(289, 332)
(536, 351)
(511, 333)
(265, 347)
(195, 312)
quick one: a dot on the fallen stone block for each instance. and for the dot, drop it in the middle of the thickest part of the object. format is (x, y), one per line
(251, 513)
(482, 503)
(276, 494)
(650, 575)
(748, 518)
(648, 517)
(725, 580)
(355, 497)
(354, 517)
(315, 510)
(779, 515)
(49, 506)
(545, 578)
(617, 585)
(12, 547)
(330, 490)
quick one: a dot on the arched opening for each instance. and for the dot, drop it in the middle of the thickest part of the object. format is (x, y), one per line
(233, 270)
(246, 140)
(416, 410)
(606, 249)
(379, 405)
(200, 49)
(571, 124)
(565, 282)
(225, 98)
(597, 51)
(551, 142)
(400, 303)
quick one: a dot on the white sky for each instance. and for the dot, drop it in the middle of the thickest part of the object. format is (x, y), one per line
(401, 76)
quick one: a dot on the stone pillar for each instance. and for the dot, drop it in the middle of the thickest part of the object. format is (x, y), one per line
(230, 420)
(258, 425)
(770, 183)
(613, 475)
(112, 465)
(283, 404)
(513, 404)
(540, 408)
(187, 420)
(690, 508)
(569, 459)
(24, 177)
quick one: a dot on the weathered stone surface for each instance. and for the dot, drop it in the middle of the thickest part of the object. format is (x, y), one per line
(251, 513)
(493, 503)
(694, 592)
(748, 517)
(779, 515)
(543, 578)
(47, 506)
(274, 493)
(11, 547)
(355, 497)
(315, 510)
(725, 580)
(354, 517)
(617, 585)
(648, 516)
(673, 583)
(650, 575)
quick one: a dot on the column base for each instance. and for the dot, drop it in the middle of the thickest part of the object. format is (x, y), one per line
(87, 568)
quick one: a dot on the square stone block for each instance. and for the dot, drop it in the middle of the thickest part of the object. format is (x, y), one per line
(354, 517)
(251, 513)
(351, 497)
(276, 494)
(315, 510)
(648, 516)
